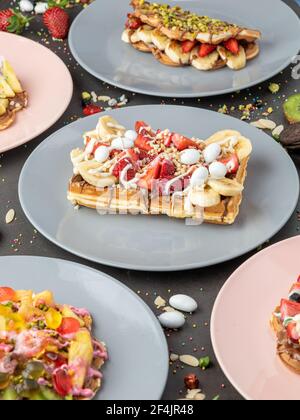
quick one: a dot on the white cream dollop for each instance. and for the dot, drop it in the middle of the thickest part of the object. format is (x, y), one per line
(102, 154)
(211, 152)
(217, 170)
(190, 156)
(199, 176)
(131, 135)
(122, 143)
(26, 6)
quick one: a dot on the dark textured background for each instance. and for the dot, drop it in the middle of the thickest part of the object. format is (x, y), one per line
(19, 237)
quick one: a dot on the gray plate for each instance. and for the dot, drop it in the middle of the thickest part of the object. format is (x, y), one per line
(158, 243)
(122, 320)
(95, 41)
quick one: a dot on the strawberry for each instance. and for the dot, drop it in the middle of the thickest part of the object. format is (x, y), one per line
(167, 169)
(187, 46)
(298, 280)
(289, 309)
(292, 332)
(232, 45)
(142, 142)
(182, 142)
(232, 163)
(122, 165)
(57, 21)
(13, 21)
(92, 109)
(206, 49)
(151, 175)
(133, 22)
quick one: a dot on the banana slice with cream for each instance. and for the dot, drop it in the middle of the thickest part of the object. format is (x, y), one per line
(159, 39)
(233, 61)
(174, 52)
(204, 63)
(225, 186)
(205, 197)
(232, 139)
(91, 172)
(108, 128)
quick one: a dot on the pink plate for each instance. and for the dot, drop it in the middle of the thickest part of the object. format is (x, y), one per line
(243, 341)
(48, 84)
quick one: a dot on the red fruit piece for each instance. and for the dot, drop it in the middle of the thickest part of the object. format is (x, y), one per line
(232, 163)
(182, 142)
(56, 358)
(292, 332)
(57, 22)
(133, 22)
(92, 109)
(289, 309)
(13, 21)
(7, 294)
(167, 169)
(122, 165)
(232, 45)
(139, 125)
(298, 280)
(187, 46)
(69, 326)
(142, 142)
(62, 381)
(152, 173)
(206, 49)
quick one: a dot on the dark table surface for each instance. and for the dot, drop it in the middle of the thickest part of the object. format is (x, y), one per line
(20, 238)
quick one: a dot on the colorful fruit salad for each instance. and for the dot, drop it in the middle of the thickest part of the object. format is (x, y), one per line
(47, 351)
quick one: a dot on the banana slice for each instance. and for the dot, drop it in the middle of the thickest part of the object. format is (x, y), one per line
(5, 90)
(91, 173)
(174, 52)
(144, 34)
(134, 37)
(159, 39)
(205, 198)
(233, 61)
(3, 106)
(242, 146)
(11, 78)
(108, 128)
(226, 187)
(204, 63)
(77, 156)
(126, 36)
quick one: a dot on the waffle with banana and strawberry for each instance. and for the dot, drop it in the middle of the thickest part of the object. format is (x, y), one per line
(285, 322)
(150, 171)
(13, 98)
(179, 38)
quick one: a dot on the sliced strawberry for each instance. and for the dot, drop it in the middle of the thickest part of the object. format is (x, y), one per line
(152, 174)
(232, 163)
(133, 22)
(206, 49)
(232, 45)
(139, 125)
(134, 157)
(142, 142)
(122, 165)
(289, 309)
(187, 46)
(292, 332)
(167, 169)
(168, 140)
(182, 142)
(92, 109)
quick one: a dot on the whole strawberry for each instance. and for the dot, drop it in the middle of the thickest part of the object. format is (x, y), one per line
(13, 21)
(57, 21)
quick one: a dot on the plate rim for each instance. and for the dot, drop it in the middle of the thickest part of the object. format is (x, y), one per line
(174, 94)
(174, 268)
(110, 278)
(217, 302)
(69, 96)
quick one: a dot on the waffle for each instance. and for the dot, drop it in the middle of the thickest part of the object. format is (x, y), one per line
(164, 180)
(12, 96)
(162, 30)
(287, 349)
